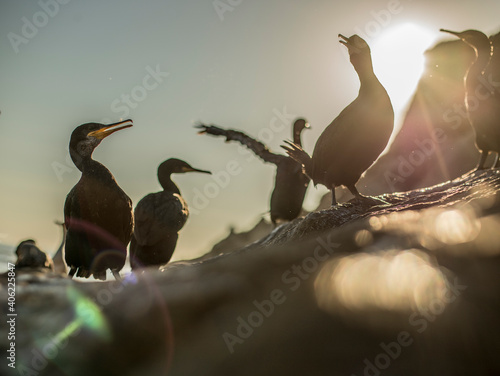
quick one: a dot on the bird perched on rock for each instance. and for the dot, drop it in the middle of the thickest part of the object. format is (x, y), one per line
(159, 217)
(494, 66)
(98, 213)
(290, 183)
(30, 256)
(481, 101)
(357, 136)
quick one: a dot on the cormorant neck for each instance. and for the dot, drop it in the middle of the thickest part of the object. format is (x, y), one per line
(167, 184)
(79, 160)
(296, 137)
(63, 241)
(364, 69)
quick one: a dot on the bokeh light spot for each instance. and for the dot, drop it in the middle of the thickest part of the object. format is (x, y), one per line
(389, 281)
(456, 227)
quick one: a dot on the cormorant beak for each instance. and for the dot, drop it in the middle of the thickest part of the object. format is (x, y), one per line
(455, 33)
(353, 49)
(106, 130)
(344, 40)
(191, 169)
(201, 126)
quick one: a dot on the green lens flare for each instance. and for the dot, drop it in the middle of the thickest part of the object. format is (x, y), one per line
(88, 315)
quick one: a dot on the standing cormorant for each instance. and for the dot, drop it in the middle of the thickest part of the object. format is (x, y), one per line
(159, 217)
(357, 136)
(483, 110)
(290, 183)
(494, 67)
(97, 212)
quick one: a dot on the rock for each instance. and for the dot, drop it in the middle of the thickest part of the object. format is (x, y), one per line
(410, 288)
(237, 240)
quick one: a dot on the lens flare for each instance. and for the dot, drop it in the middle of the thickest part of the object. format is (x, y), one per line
(398, 59)
(387, 281)
(456, 227)
(88, 315)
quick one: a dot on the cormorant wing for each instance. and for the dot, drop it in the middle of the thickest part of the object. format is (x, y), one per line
(69, 206)
(158, 214)
(261, 150)
(333, 137)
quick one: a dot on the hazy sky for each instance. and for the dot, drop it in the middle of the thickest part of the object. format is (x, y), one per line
(247, 64)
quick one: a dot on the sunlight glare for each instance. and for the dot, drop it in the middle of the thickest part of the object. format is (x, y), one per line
(395, 281)
(398, 60)
(457, 227)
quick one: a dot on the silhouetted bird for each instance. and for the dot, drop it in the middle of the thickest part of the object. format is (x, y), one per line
(483, 110)
(290, 183)
(494, 66)
(159, 217)
(493, 75)
(98, 213)
(59, 265)
(30, 256)
(357, 136)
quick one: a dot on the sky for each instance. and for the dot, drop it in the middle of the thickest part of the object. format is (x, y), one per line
(167, 64)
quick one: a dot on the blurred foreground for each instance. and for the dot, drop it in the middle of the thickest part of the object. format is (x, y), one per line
(410, 288)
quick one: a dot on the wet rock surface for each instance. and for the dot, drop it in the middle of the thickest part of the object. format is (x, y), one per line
(410, 287)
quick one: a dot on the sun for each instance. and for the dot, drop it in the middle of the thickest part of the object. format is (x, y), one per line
(398, 60)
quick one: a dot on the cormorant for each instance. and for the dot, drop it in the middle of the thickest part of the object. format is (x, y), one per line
(493, 75)
(97, 212)
(357, 136)
(494, 66)
(290, 183)
(59, 265)
(483, 110)
(30, 256)
(159, 217)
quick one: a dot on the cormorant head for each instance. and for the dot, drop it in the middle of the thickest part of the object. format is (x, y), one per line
(177, 166)
(86, 137)
(359, 51)
(174, 166)
(474, 38)
(355, 44)
(299, 125)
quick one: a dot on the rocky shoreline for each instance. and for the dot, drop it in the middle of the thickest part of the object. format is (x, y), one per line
(410, 288)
